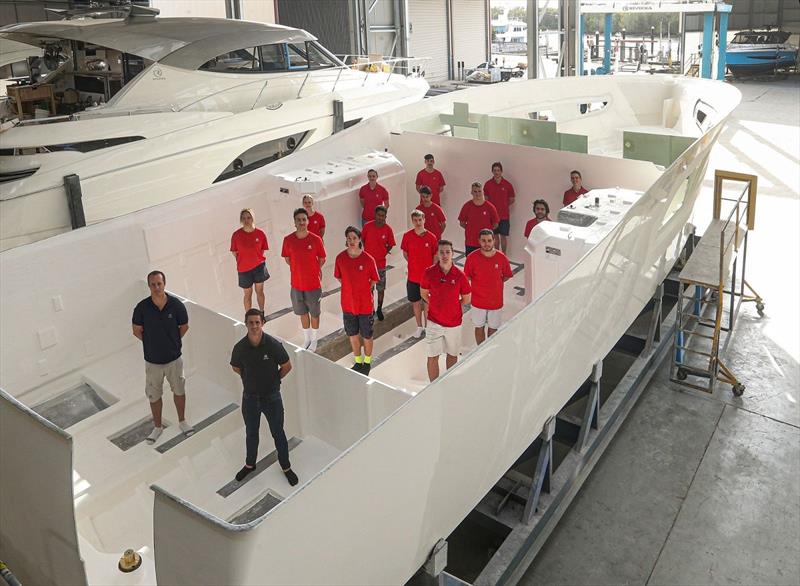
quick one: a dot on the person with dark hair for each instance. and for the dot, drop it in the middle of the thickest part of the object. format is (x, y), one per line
(435, 220)
(378, 239)
(577, 189)
(160, 321)
(372, 194)
(419, 250)
(238, 165)
(487, 270)
(541, 213)
(304, 252)
(445, 288)
(262, 362)
(500, 193)
(433, 179)
(248, 245)
(316, 221)
(476, 215)
(357, 272)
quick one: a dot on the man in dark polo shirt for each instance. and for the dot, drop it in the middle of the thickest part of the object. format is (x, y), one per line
(262, 362)
(160, 321)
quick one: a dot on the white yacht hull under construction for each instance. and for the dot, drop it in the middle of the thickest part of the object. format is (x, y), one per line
(388, 464)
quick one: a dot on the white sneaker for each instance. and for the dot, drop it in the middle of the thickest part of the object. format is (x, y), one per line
(186, 428)
(154, 435)
(312, 346)
(419, 332)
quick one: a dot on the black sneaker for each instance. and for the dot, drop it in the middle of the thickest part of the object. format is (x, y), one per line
(291, 476)
(379, 314)
(365, 368)
(242, 474)
(357, 367)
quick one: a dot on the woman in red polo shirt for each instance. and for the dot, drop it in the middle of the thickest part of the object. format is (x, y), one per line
(357, 272)
(248, 245)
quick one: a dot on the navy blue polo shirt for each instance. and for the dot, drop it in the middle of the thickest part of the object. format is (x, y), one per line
(260, 365)
(161, 338)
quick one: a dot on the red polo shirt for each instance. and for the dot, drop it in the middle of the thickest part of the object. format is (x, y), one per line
(571, 195)
(316, 223)
(378, 241)
(477, 217)
(434, 217)
(532, 223)
(249, 248)
(434, 180)
(356, 274)
(304, 255)
(420, 250)
(444, 304)
(371, 198)
(500, 195)
(487, 275)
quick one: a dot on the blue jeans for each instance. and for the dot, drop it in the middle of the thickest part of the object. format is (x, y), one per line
(272, 408)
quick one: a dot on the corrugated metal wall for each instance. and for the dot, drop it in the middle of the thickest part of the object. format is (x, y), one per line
(470, 30)
(427, 36)
(330, 21)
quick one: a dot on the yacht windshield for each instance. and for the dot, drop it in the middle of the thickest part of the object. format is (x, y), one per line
(272, 58)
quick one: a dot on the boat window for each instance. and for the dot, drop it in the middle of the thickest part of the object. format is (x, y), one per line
(80, 147)
(6, 176)
(262, 154)
(317, 59)
(273, 58)
(238, 61)
(298, 57)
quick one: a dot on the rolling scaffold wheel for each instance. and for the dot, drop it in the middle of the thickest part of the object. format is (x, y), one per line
(738, 389)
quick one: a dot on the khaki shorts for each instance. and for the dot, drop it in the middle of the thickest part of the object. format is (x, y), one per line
(442, 340)
(154, 375)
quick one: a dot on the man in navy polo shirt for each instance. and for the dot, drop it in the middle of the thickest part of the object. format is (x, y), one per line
(262, 362)
(160, 321)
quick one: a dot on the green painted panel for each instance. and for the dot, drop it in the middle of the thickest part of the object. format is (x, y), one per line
(661, 149)
(574, 143)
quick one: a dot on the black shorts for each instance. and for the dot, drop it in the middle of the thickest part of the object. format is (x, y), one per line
(503, 228)
(412, 292)
(258, 274)
(358, 324)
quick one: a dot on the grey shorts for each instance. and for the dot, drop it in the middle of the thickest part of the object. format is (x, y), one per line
(381, 284)
(358, 324)
(304, 302)
(154, 375)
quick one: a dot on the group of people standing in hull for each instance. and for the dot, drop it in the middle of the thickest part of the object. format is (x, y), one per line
(161, 320)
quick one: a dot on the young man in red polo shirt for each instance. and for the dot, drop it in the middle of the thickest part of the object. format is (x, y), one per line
(433, 179)
(304, 252)
(445, 289)
(372, 194)
(500, 193)
(316, 221)
(378, 239)
(541, 213)
(487, 270)
(476, 215)
(435, 220)
(419, 250)
(357, 272)
(577, 188)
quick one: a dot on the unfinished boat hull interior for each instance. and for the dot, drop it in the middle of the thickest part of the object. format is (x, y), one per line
(389, 464)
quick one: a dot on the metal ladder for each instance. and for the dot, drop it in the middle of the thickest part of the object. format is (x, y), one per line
(712, 288)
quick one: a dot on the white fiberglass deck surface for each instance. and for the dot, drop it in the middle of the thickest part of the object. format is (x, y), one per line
(407, 368)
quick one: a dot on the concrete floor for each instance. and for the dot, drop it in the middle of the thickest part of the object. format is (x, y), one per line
(699, 489)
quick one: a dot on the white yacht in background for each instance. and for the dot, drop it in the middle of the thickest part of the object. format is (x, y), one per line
(200, 93)
(389, 464)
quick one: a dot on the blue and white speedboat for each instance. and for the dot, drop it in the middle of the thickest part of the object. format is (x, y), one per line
(758, 51)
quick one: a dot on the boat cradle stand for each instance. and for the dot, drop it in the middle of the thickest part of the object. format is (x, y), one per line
(526, 504)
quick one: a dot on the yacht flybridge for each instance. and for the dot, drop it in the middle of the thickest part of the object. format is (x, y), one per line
(389, 464)
(200, 93)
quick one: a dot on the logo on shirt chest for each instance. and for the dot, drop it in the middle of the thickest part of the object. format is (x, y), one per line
(497, 266)
(427, 245)
(169, 316)
(309, 247)
(265, 357)
(360, 267)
